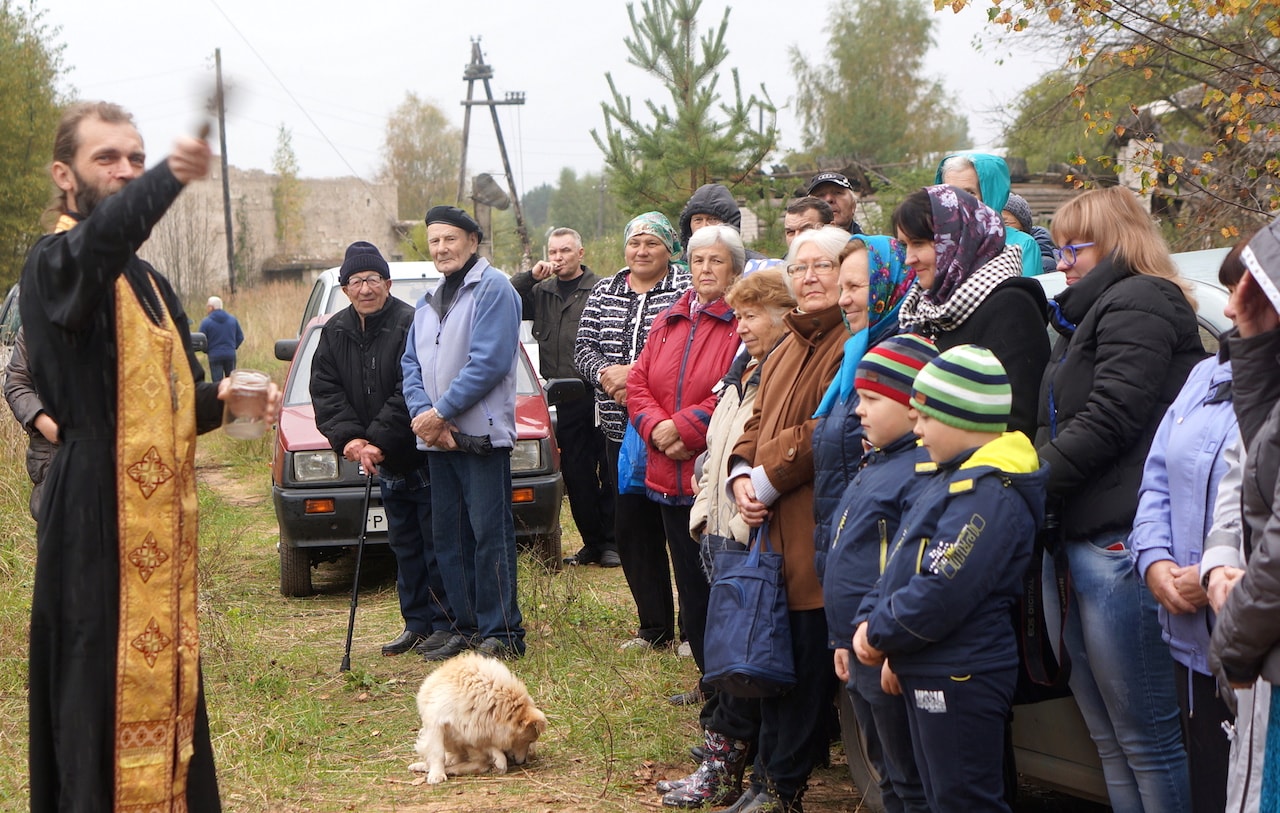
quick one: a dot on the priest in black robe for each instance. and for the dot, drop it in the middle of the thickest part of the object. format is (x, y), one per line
(117, 714)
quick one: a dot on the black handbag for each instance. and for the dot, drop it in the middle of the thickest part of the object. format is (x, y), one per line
(748, 639)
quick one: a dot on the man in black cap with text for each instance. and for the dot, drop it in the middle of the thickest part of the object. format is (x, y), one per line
(460, 389)
(837, 191)
(359, 404)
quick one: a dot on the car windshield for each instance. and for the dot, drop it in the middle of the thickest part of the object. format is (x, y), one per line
(410, 290)
(298, 388)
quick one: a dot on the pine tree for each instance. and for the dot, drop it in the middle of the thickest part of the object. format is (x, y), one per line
(657, 161)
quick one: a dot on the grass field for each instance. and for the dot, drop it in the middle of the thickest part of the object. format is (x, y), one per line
(292, 733)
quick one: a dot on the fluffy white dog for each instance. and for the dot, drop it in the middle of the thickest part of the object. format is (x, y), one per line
(475, 715)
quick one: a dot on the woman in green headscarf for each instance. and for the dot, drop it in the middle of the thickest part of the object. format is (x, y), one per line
(615, 323)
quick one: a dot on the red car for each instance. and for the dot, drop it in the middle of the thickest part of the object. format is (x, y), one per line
(318, 495)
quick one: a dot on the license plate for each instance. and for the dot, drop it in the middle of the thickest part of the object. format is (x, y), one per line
(376, 521)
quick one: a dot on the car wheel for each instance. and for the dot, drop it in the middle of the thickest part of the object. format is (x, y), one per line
(546, 548)
(295, 571)
(863, 773)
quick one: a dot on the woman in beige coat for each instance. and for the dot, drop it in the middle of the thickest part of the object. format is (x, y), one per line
(730, 724)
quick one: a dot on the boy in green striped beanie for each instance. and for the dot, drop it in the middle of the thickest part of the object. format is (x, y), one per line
(940, 615)
(963, 397)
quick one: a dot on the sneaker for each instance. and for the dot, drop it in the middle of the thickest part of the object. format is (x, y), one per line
(497, 648)
(636, 643)
(456, 645)
(684, 650)
(610, 558)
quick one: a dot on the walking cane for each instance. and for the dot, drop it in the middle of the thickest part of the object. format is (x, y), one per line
(355, 585)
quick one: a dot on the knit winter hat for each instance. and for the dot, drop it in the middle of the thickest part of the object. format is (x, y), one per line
(965, 387)
(1021, 211)
(362, 256)
(890, 367)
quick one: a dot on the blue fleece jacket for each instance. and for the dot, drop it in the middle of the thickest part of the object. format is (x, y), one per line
(994, 183)
(865, 521)
(944, 603)
(1179, 487)
(463, 362)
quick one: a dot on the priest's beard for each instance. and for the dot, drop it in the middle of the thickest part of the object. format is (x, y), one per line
(89, 195)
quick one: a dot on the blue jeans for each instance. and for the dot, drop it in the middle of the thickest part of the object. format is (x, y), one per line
(475, 542)
(1122, 676)
(221, 367)
(407, 501)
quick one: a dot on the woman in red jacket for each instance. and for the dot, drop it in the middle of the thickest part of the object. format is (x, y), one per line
(670, 398)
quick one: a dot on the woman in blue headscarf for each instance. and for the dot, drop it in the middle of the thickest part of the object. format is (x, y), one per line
(874, 280)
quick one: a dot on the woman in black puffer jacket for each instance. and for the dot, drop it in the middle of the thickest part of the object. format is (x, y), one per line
(1128, 339)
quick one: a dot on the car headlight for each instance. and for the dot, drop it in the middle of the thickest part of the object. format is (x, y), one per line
(526, 456)
(311, 467)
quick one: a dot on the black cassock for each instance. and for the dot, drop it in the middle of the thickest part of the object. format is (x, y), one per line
(68, 312)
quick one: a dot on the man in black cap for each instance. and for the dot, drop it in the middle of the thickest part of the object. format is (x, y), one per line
(553, 294)
(837, 191)
(359, 405)
(460, 390)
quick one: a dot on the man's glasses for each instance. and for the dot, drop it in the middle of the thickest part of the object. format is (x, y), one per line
(1067, 254)
(821, 268)
(357, 283)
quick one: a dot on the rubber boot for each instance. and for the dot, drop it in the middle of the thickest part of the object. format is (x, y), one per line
(718, 779)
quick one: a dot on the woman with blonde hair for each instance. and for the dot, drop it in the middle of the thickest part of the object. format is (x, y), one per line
(1128, 338)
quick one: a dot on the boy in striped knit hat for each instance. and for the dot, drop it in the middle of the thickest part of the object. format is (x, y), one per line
(867, 520)
(941, 612)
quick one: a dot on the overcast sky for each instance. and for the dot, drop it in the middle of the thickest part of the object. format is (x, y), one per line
(333, 71)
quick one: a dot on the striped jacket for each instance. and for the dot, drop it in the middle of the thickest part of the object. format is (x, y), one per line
(613, 329)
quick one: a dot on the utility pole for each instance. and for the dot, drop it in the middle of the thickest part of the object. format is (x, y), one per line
(477, 70)
(226, 179)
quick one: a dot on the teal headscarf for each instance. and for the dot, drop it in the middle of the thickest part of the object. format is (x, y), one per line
(654, 223)
(889, 281)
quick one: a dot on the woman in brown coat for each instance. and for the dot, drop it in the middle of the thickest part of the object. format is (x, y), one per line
(772, 474)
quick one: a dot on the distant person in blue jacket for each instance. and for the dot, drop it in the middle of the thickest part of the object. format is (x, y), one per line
(224, 335)
(866, 521)
(942, 611)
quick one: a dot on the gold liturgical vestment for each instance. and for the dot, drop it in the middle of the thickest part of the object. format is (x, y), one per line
(157, 676)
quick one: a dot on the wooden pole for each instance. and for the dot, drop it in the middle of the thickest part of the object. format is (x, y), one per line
(226, 178)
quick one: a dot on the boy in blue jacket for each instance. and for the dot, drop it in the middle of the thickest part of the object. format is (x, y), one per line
(942, 610)
(867, 520)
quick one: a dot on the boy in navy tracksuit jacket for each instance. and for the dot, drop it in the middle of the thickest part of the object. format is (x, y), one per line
(942, 611)
(866, 522)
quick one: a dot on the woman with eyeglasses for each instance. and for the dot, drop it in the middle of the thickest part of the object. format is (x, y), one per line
(970, 289)
(771, 475)
(1127, 340)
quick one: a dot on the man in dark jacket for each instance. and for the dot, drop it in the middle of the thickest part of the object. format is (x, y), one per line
(41, 428)
(359, 405)
(224, 335)
(553, 294)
